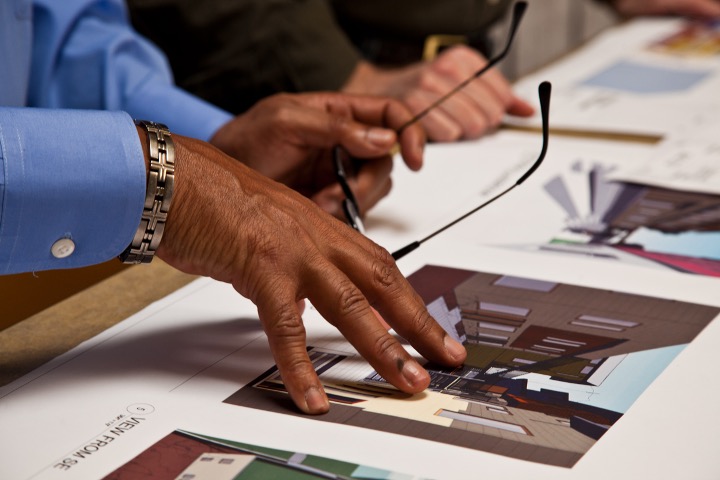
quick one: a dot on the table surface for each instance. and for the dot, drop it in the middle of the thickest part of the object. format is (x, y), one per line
(57, 329)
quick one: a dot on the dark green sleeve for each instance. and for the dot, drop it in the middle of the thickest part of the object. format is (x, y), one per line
(233, 53)
(419, 18)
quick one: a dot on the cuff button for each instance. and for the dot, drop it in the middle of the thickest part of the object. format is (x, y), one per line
(62, 248)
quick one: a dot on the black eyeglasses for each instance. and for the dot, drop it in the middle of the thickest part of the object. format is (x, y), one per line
(544, 94)
(350, 205)
(341, 158)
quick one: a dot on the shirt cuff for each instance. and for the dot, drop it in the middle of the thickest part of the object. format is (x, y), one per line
(67, 175)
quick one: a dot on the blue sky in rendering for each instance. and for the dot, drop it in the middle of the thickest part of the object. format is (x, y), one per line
(624, 385)
(692, 244)
(643, 79)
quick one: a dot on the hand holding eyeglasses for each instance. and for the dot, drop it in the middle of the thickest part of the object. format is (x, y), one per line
(302, 129)
(472, 113)
(458, 95)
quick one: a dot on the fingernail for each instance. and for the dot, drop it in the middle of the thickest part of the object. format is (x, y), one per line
(380, 137)
(454, 349)
(316, 401)
(413, 373)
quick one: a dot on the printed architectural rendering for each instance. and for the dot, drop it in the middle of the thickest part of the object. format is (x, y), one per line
(189, 456)
(641, 224)
(551, 367)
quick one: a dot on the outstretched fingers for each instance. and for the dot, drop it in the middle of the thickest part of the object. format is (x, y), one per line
(374, 272)
(285, 331)
(350, 312)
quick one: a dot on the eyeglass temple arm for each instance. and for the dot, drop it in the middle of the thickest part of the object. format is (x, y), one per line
(544, 91)
(342, 177)
(517, 15)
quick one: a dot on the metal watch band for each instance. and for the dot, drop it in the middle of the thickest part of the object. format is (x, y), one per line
(158, 197)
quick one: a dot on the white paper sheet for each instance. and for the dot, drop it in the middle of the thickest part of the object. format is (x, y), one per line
(691, 164)
(619, 84)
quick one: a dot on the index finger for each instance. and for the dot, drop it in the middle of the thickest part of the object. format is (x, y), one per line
(383, 112)
(375, 273)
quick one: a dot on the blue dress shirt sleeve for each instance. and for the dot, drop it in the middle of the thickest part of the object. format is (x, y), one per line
(69, 174)
(86, 55)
